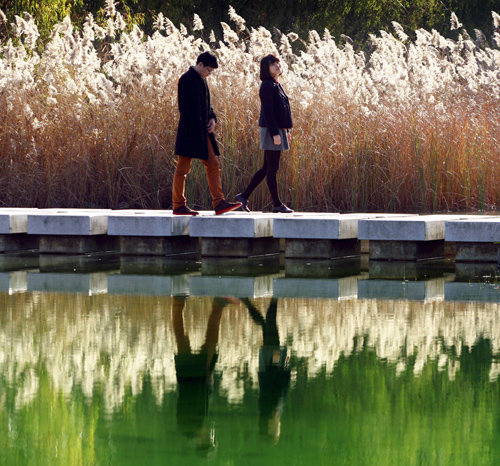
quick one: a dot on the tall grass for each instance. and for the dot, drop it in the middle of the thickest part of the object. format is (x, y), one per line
(88, 119)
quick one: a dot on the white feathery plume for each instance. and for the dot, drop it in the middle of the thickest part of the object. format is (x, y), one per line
(240, 22)
(169, 27)
(496, 20)
(229, 35)
(110, 28)
(26, 27)
(88, 29)
(120, 23)
(19, 27)
(455, 23)
(285, 47)
(158, 24)
(480, 37)
(100, 32)
(314, 37)
(110, 8)
(137, 33)
(327, 35)
(197, 23)
(423, 37)
(399, 31)
(496, 38)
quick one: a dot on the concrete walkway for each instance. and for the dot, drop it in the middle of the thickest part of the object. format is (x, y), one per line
(237, 234)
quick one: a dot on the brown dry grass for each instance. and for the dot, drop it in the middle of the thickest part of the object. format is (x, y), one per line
(350, 152)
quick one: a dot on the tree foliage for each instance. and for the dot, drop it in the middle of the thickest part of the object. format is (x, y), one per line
(353, 18)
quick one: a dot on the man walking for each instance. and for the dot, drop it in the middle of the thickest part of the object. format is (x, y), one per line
(195, 137)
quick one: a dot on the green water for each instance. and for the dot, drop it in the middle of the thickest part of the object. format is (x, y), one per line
(144, 380)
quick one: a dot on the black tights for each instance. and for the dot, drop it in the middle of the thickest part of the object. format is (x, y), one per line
(268, 170)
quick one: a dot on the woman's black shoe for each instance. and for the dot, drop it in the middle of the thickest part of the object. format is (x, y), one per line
(243, 201)
(282, 209)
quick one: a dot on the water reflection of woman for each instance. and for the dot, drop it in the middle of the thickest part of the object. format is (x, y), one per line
(194, 372)
(274, 371)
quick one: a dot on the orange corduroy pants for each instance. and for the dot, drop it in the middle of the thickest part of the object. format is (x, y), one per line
(182, 170)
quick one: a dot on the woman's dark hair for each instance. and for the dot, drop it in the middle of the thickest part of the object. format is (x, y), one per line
(208, 59)
(264, 66)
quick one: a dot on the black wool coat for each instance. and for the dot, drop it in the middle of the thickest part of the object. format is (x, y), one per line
(195, 110)
(274, 107)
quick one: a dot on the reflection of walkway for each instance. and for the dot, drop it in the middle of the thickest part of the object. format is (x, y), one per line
(194, 372)
(274, 372)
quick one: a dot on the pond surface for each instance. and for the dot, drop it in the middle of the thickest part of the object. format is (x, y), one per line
(115, 367)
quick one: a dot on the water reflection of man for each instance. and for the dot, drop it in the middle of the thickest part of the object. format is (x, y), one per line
(274, 371)
(194, 372)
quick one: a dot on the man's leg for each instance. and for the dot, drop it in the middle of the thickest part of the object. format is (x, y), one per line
(181, 337)
(213, 326)
(179, 182)
(213, 176)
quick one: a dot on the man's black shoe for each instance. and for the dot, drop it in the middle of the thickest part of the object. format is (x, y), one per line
(223, 206)
(184, 210)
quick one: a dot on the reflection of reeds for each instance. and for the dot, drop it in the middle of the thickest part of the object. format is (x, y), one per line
(112, 343)
(411, 126)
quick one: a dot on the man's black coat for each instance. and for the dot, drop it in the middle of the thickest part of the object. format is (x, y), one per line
(194, 106)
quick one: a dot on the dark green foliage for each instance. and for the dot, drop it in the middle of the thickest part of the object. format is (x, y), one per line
(354, 18)
(48, 12)
(45, 12)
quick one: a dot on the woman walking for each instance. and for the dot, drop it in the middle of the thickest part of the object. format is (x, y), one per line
(275, 123)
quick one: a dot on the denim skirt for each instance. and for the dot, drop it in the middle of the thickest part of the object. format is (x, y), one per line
(266, 140)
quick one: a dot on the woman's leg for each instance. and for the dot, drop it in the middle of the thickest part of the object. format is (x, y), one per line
(257, 178)
(272, 161)
(270, 330)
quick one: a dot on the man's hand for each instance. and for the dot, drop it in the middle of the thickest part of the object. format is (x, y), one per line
(211, 125)
(277, 140)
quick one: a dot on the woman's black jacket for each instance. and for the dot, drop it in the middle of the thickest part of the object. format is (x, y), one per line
(194, 106)
(274, 109)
